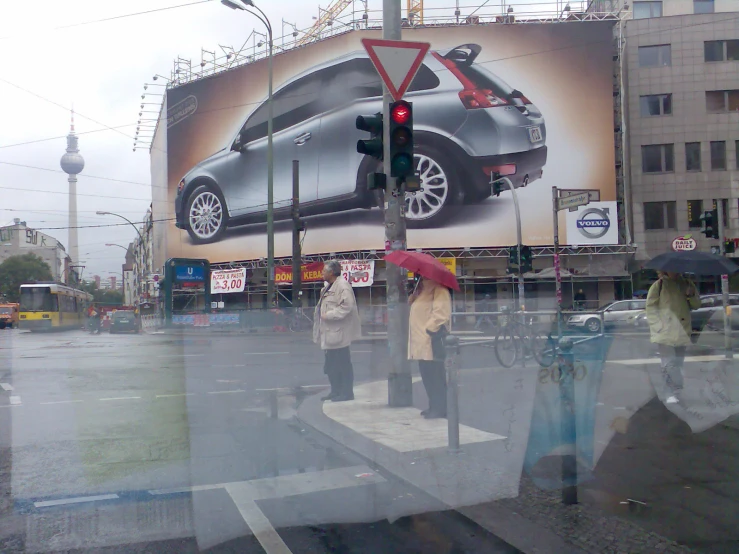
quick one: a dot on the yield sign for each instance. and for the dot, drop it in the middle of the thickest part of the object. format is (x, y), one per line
(396, 61)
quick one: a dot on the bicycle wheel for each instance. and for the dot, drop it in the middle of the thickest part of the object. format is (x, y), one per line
(293, 324)
(544, 349)
(506, 347)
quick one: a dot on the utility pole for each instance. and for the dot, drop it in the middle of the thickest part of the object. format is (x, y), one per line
(519, 238)
(557, 270)
(400, 391)
(297, 255)
(724, 281)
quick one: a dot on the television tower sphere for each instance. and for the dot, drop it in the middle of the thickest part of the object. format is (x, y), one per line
(72, 162)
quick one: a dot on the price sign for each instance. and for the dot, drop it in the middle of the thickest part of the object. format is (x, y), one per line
(358, 273)
(225, 281)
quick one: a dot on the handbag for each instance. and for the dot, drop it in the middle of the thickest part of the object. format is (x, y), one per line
(438, 346)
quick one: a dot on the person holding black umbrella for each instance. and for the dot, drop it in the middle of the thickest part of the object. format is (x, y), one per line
(669, 302)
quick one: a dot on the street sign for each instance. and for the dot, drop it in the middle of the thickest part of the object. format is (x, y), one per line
(397, 62)
(571, 199)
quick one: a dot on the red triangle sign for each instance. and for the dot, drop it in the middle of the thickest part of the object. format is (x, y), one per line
(397, 62)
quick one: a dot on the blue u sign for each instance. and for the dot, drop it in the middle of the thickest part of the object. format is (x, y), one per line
(189, 273)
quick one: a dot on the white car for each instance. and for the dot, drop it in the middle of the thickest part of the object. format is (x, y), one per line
(616, 314)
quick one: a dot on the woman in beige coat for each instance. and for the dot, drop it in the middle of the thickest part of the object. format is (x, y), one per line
(431, 308)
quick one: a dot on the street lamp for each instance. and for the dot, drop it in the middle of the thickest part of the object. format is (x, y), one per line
(125, 219)
(270, 160)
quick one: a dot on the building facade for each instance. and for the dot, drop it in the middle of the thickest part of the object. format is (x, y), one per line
(145, 286)
(19, 239)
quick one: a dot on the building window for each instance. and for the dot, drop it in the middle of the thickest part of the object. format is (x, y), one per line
(655, 56)
(658, 158)
(736, 147)
(655, 104)
(695, 209)
(645, 10)
(718, 155)
(659, 215)
(718, 101)
(703, 6)
(692, 156)
(721, 50)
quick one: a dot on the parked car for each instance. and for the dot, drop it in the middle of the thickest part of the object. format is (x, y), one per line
(615, 314)
(468, 124)
(123, 321)
(711, 314)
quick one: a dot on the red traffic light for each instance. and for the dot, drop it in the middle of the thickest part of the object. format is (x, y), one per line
(401, 113)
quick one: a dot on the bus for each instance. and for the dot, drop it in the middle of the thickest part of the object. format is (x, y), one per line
(52, 306)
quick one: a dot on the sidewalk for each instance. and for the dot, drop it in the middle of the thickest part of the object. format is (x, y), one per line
(669, 473)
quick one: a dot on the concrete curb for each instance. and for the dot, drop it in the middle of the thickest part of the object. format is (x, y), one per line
(509, 526)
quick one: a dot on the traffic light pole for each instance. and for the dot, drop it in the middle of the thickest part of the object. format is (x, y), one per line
(297, 255)
(400, 391)
(724, 282)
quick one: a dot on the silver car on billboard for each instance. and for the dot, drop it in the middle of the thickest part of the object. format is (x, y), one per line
(468, 125)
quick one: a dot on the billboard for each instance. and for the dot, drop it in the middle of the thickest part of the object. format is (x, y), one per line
(531, 102)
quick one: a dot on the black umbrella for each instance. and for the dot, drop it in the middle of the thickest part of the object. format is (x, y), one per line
(697, 263)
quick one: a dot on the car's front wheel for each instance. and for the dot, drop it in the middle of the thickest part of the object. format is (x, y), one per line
(593, 325)
(430, 206)
(206, 215)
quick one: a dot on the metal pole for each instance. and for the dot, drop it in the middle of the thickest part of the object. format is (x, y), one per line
(724, 281)
(557, 272)
(568, 427)
(451, 364)
(519, 242)
(400, 391)
(270, 186)
(297, 256)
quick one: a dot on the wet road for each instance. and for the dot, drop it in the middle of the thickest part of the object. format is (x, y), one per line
(165, 444)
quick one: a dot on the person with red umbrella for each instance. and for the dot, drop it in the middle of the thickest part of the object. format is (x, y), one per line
(430, 318)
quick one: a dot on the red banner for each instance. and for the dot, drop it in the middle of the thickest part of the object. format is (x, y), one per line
(311, 272)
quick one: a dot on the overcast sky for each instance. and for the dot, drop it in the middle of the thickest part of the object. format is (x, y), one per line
(101, 68)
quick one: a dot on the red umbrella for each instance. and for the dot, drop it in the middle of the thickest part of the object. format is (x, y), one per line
(425, 265)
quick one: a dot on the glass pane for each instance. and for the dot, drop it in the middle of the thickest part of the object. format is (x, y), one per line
(425, 79)
(653, 215)
(651, 159)
(703, 6)
(667, 104)
(649, 105)
(715, 101)
(718, 155)
(648, 56)
(665, 55)
(733, 98)
(669, 150)
(714, 50)
(732, 50)
(670, 213)
(693, 156)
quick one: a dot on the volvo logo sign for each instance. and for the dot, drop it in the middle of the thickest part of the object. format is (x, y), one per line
(594, 223)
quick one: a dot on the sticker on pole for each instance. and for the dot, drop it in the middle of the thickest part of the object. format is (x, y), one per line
(397, 62)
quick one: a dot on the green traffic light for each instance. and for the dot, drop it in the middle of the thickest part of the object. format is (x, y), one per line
(370, 147)
(401, 164)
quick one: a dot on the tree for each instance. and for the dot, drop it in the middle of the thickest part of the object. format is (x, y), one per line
(105, 297)
(16, 270)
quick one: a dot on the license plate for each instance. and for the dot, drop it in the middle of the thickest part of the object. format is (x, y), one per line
(122, 321)
(535, 134)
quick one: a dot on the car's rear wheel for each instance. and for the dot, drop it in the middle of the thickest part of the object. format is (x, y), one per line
(430, 206)
(206, 214)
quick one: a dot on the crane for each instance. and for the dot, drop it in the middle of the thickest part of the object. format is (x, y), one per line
(325, 19)
(415, 11)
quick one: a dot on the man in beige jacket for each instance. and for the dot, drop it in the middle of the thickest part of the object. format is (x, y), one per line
(335, 326)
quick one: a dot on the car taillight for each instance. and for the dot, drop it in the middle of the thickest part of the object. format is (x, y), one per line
(480, 98)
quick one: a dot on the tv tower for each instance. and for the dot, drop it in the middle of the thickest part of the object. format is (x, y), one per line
(73, 164)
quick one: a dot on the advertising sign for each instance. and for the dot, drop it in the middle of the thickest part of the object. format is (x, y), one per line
(595, 223)
(311, 272)
(483, 102)
(684, 243)
(190, 274)
(224, 281)
(359, 274)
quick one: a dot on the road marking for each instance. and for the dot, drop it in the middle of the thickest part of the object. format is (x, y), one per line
(60, 402)
(122, 398)
(10, 405)
(6, 386)
(175, 395)
(257, 521)
(644, 361)
(362, 351)
(77, 500)
(180, 355)
(265, 353)
(15, 400)
(225, 391)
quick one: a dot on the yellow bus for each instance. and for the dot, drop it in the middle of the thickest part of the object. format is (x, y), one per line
(47, 306)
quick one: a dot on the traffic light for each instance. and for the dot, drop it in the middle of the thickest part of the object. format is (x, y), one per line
(729, 246)
(709, 223)
(374, 145)
(401, 139)
(527, 259)
(512, 259)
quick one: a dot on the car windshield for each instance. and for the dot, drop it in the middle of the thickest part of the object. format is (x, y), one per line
(288, 287)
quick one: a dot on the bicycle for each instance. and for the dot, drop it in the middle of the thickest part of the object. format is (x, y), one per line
(517, 339)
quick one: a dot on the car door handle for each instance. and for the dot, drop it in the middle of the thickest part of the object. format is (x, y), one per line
(302, 139)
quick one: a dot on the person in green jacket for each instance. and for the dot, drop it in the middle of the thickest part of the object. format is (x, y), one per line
(669, 302)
